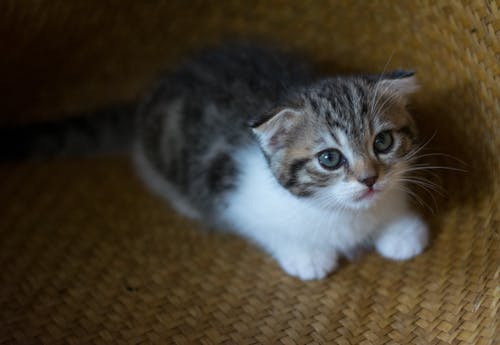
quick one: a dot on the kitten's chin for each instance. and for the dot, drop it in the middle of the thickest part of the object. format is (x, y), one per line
(364, 200)
(353, 204)
(363, 204)
(359, 201)
(367, 198)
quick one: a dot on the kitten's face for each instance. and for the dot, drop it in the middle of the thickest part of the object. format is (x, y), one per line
(344, 142)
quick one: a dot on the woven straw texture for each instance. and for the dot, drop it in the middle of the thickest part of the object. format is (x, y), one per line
(87, 255)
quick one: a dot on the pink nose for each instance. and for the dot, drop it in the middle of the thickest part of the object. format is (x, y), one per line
(369, 181)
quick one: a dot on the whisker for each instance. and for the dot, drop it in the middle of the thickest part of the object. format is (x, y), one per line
(416, 198)
(425, 189)
(430, 173)
(390, 97)
(438, 189)
(422, 181)
(419, 148)
(431, 195)
(439, 154)
(377, 84)
(434, 167)
(379, 106)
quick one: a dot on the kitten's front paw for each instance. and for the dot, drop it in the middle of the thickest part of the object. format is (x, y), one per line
(403, 239)
(308, 265)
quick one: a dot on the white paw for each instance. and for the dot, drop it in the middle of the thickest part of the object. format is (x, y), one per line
(403, 239)
(308, 265)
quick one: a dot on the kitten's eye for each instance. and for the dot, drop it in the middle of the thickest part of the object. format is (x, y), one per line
(331, 159)
(383, 142)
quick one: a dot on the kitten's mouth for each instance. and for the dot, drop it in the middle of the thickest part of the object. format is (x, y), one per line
(368, 194)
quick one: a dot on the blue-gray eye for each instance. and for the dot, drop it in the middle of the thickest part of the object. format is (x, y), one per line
(331, 159)
(383, 142)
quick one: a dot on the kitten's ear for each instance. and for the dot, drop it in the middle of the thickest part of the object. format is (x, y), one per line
(272, 128)
(400, 83)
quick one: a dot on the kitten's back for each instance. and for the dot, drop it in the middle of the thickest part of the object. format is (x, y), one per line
(196, 119)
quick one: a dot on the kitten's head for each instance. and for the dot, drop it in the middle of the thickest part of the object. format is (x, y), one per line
(342, 142)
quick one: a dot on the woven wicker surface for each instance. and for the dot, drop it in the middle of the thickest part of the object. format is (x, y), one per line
(87, 255)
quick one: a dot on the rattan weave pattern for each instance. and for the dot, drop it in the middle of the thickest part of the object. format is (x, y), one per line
(87, 255)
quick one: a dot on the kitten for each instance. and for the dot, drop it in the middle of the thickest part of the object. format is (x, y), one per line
(248, 140)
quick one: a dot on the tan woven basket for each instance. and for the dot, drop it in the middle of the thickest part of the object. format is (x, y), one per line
(87, 255)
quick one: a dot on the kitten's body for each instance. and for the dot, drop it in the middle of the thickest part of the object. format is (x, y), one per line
(247, 140)
(196, 149)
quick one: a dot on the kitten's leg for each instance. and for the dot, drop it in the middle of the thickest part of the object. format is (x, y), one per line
(306, 263)
(404, 238)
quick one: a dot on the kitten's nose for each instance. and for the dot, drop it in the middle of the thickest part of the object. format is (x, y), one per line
(369, 181)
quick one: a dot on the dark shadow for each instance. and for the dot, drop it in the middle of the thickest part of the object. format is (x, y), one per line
(449, 119)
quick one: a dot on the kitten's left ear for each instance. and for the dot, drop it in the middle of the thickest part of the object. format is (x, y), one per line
(399, 83)
(273, 128)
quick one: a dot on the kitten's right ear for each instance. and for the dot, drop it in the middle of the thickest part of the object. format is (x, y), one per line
(399, 83)
(273, 128)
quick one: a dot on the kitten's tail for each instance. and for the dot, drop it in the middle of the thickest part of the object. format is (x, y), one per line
(109, 130)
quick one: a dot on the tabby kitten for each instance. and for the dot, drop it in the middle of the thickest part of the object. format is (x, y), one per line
(309, 169)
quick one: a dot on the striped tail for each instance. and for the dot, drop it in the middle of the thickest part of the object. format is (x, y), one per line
(108, 130)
